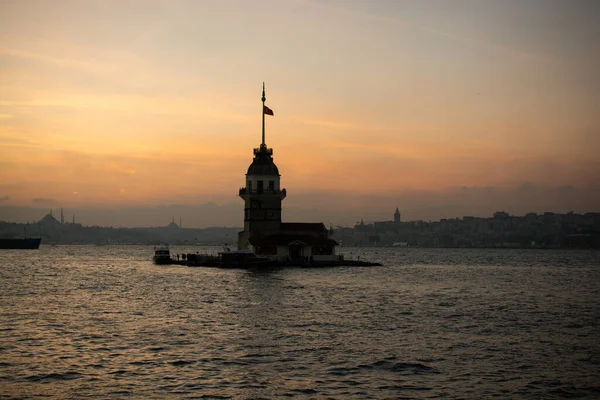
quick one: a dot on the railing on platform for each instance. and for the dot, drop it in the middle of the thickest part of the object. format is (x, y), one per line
(263, 150)
(245, 191)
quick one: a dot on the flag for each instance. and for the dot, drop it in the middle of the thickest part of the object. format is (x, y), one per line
(267, 110)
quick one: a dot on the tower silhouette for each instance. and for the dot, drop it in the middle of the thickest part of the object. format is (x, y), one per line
(397, 217)
(262, 194)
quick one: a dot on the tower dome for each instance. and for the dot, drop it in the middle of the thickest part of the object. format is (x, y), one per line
(263, 162)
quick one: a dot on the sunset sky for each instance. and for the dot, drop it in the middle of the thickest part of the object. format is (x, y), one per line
(441, 108)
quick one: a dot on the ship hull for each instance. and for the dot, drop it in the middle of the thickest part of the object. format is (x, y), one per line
(27, 243)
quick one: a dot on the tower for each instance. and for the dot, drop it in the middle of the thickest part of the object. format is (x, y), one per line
(262, 194)
(397, 217)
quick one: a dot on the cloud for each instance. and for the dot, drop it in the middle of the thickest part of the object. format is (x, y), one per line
(17, 142)
(44, 202)
(328, 124)
(425, 28)
(191, 106)
(4, 198)
(63, 61)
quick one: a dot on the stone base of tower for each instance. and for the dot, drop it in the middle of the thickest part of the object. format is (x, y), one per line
(243, 237)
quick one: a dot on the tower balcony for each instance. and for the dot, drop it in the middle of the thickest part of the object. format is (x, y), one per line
(281, 193)
(263, 150)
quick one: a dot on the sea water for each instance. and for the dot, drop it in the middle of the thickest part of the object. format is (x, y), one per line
(104, 322)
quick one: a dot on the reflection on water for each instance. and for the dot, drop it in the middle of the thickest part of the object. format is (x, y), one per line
(84, 321)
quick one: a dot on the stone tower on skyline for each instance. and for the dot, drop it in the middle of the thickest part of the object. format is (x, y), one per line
(262, 194)
(264, 234)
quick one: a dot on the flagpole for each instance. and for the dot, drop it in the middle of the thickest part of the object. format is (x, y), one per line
(263, 115)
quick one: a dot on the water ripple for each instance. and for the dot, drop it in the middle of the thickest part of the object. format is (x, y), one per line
(81, 321)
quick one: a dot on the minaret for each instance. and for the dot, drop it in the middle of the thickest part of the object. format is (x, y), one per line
(262, 194)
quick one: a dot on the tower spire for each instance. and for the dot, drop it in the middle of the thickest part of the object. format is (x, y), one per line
(263, 115)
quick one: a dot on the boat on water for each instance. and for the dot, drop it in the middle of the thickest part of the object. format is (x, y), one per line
(162, 255)
(20, 243)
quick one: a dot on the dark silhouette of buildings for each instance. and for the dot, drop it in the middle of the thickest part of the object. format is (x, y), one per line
(54, 232)
(547, 230)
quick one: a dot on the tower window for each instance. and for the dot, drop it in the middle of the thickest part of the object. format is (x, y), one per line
(259, 189)
(250, 186)
(271, 186)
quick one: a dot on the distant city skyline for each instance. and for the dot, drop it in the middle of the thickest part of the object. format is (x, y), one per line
(428, 207)
(443, 109)
(501, 230)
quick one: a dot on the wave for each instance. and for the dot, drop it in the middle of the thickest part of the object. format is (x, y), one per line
(53, 376)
